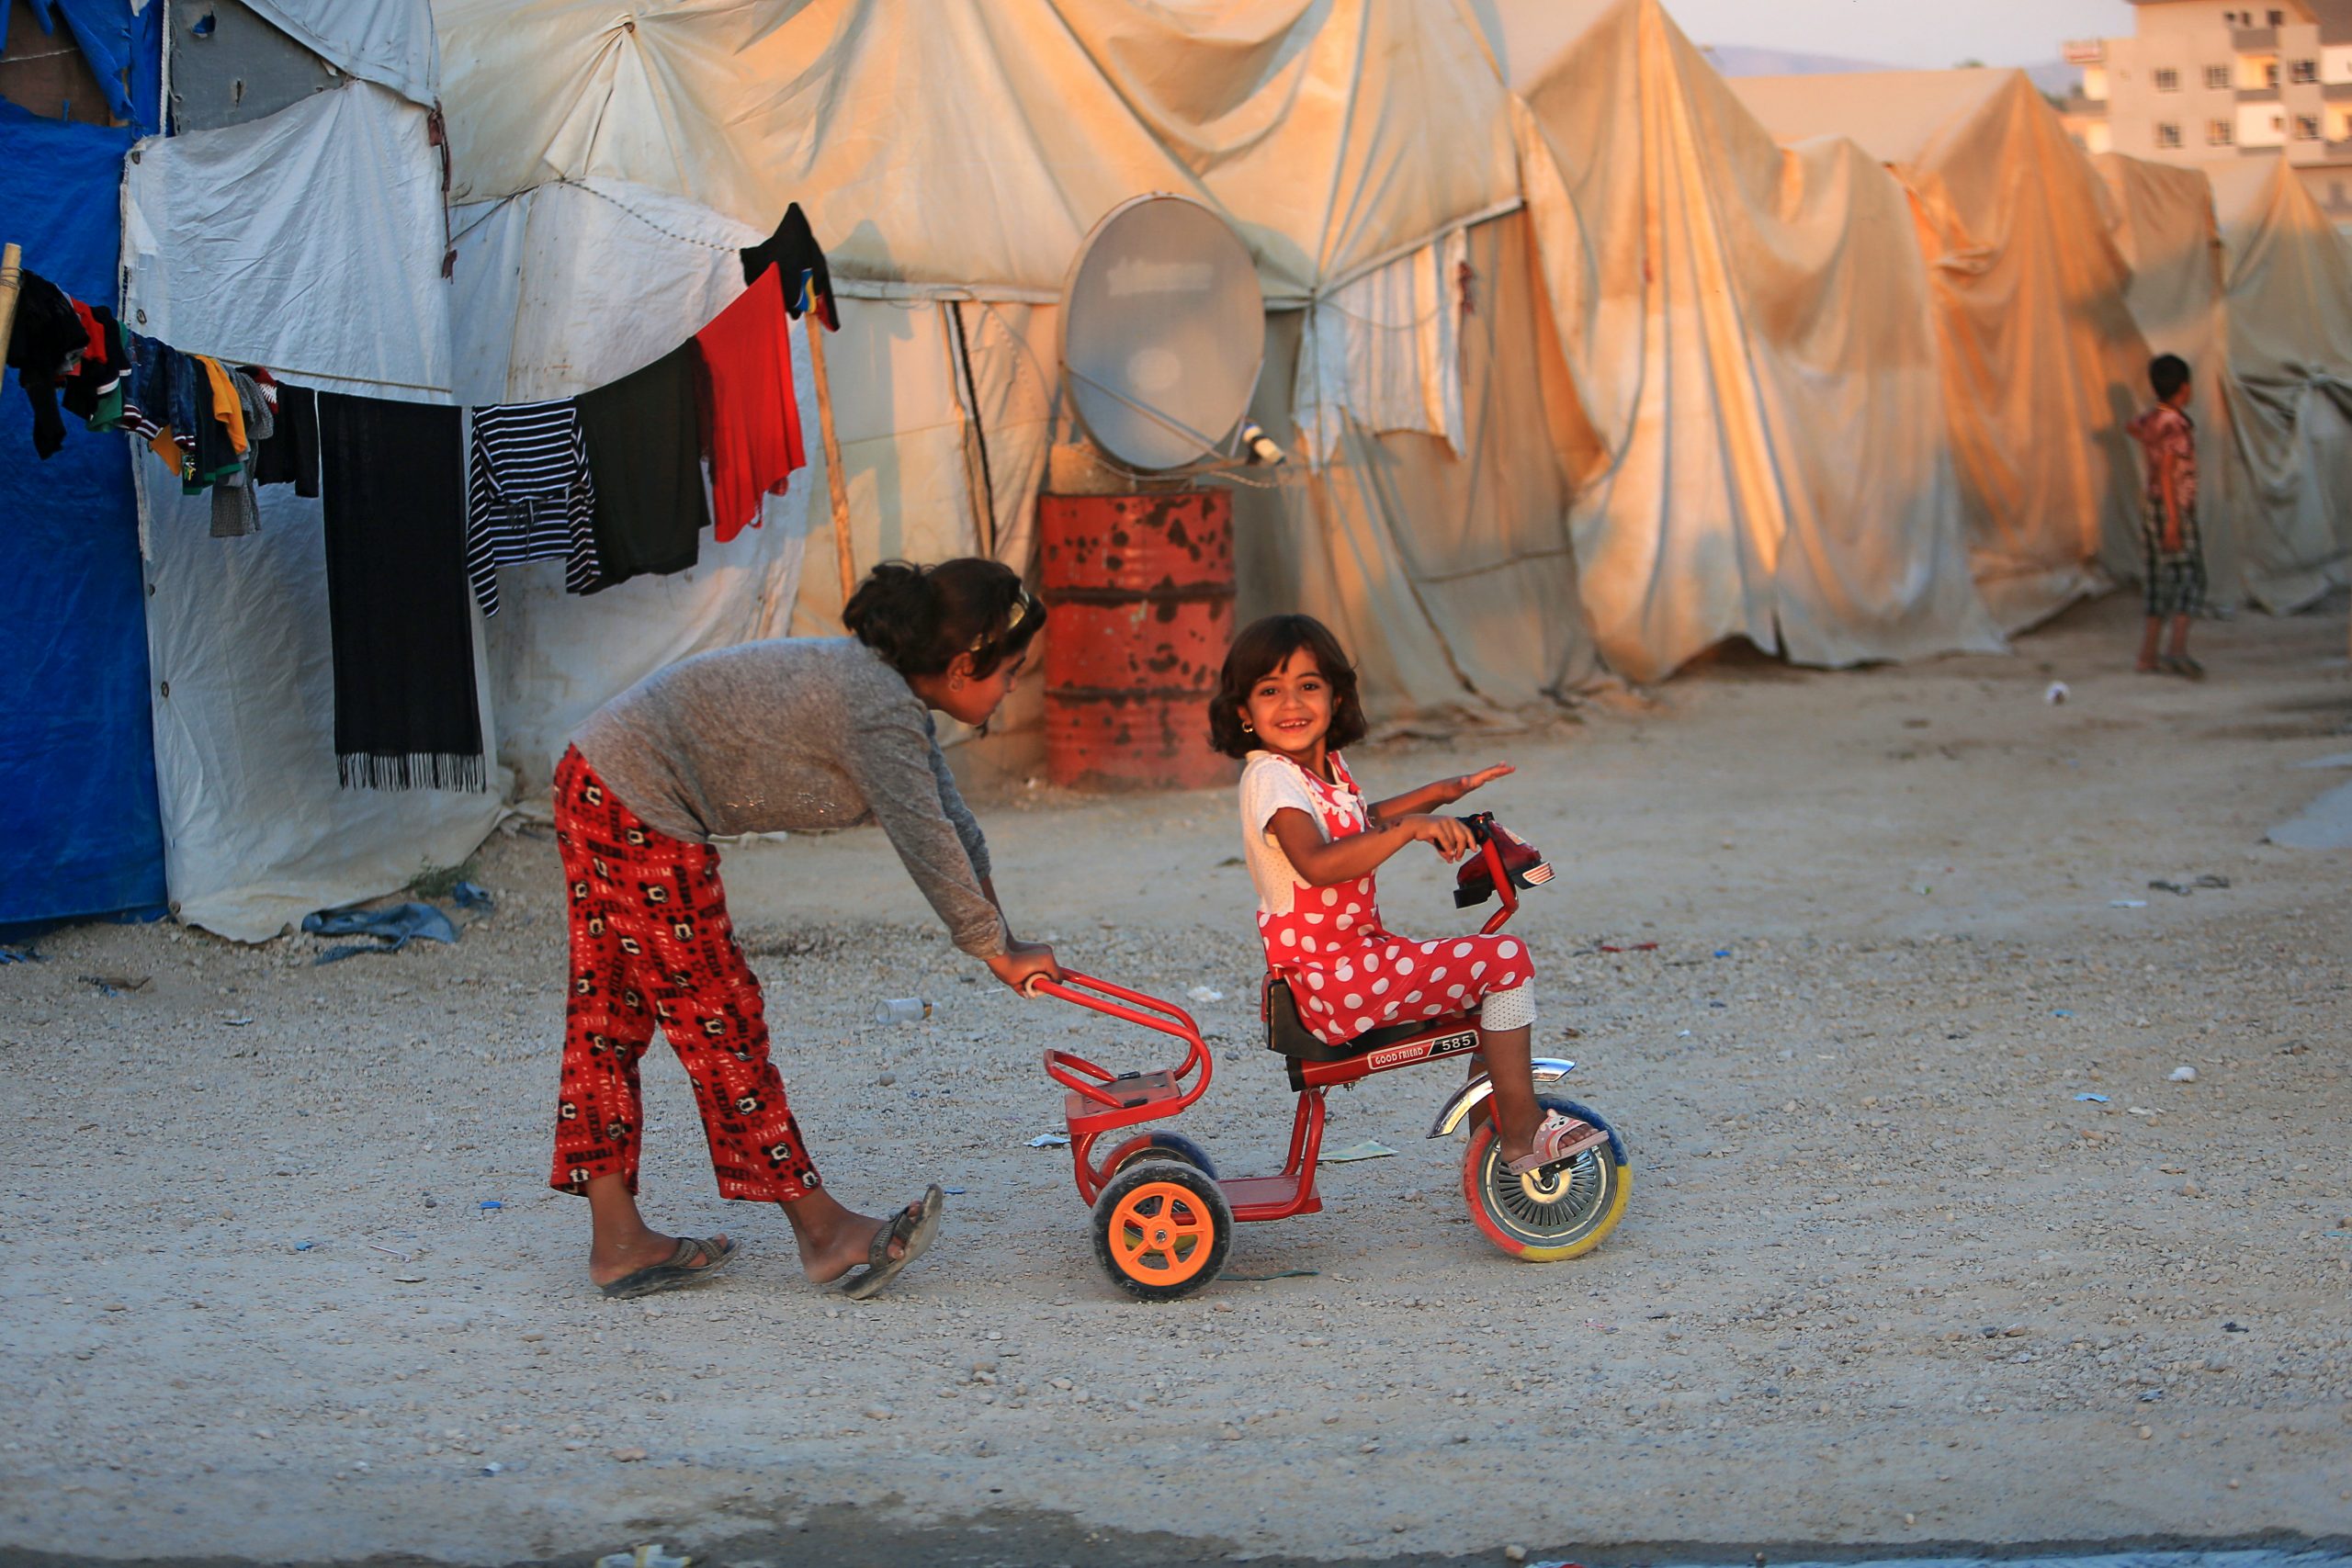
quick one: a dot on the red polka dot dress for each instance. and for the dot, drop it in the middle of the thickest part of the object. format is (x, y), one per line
(1347, 971)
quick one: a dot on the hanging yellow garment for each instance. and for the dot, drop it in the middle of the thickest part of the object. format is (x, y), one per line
(225, 406)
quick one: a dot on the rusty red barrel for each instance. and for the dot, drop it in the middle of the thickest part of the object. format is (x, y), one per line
(1141, 588)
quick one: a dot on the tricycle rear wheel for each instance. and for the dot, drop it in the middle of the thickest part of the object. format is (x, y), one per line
(1161, 1230)
(1161, 1144)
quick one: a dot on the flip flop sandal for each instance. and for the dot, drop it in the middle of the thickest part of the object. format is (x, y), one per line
(1560, 1139)
(914, 1225)
(2185, 667)
(692, 1260)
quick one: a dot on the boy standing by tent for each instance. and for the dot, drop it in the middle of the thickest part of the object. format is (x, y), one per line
(2172, 553)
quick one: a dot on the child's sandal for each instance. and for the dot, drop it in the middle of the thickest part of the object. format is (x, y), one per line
(2187, 668)
(1560, 1138)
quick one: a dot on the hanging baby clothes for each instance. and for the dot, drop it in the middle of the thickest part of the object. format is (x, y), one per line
(235, 510)
(45, 344)
(94, 393)
(225, 406)
(794, 251)
(291, 454)
(530, 497)
(220, 427)
(751, 424)
(645, 451)
(405, 712)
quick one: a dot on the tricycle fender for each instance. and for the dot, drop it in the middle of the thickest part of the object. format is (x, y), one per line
(1548, 1070)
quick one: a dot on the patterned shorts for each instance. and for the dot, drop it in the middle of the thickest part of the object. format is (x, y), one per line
(2176, 582)
(652, 947)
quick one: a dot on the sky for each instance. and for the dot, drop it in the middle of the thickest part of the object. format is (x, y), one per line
(1923, 34)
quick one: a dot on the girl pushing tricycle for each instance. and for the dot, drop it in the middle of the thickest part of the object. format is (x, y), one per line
(1344, 998)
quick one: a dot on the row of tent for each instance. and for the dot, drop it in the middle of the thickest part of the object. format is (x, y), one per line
(1588, 356)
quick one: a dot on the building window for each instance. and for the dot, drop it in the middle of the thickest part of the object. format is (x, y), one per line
(2278, 18)
(2220, 133)
(2270, 73)
(2168, 80)
(2217, 77)
(2307, 127)
(2167, 134)
(2303, 71)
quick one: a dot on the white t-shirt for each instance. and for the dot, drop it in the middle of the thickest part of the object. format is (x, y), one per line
(1271, 784)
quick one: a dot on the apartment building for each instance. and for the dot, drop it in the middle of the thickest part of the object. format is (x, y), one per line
(2206, 82)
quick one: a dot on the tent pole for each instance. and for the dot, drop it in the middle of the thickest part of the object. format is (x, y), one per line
(836, 482)
(11, 279)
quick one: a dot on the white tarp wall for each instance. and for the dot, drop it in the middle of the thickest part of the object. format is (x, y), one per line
(2042, 362)
(1441, 560)
(971, 147)
(1350, 145)
(310, 241)
(570, 287)
(389, 42)
(2289, 281)
(556, 291)
(2165, 229)
(1750, 357)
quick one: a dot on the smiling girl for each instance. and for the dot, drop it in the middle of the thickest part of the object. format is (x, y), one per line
(1286, 703)
(796, 734)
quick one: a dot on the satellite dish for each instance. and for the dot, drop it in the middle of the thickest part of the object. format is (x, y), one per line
(1162, 331)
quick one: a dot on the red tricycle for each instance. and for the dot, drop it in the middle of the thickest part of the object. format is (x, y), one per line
(1164, 1219)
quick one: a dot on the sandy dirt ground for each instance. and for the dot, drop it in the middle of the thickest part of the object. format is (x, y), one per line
(1886, 1277)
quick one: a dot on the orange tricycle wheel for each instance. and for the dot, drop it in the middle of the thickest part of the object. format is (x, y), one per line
(1161, 1229)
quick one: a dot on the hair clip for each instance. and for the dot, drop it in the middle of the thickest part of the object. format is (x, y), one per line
(1013, 617)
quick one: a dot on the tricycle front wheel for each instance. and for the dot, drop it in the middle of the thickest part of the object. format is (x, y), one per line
(1561, 1212)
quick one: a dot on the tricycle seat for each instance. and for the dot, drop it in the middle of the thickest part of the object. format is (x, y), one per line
(1287, 1036)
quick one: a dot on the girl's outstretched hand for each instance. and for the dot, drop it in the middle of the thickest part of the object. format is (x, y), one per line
(1468, 782)
(1448, 835)
(1022, 962)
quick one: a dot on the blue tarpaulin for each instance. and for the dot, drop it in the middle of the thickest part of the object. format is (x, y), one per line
(125, 51)
(77, 749)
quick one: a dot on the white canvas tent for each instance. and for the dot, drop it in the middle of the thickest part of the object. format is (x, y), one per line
(606, 172)
(1749, 362)
(2041, 361)
(2165, 232)
(2290, 285)
(1362, 151)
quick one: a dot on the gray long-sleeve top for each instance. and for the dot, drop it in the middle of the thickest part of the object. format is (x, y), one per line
(793, 735)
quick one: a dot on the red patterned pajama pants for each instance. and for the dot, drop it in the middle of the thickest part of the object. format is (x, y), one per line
(651, 947)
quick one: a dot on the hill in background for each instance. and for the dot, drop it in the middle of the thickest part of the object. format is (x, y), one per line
(1746, 59)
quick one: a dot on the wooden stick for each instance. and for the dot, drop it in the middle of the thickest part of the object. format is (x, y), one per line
(836, 481)
(11, 279)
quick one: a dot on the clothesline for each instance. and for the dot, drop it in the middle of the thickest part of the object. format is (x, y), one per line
(416, 507)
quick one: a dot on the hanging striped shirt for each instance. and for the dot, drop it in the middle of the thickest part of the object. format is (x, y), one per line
(530, 497)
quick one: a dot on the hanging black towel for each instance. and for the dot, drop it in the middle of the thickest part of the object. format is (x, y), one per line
(807, 281)
(644, 439)
(290, 454)
(44, 335)
(397, 600)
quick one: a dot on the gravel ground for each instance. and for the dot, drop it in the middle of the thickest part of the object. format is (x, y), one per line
(1886, 1277)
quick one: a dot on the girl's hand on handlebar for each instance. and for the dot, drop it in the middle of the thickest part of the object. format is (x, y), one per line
(1468, 782)
(1448, 835)
(1023, 961)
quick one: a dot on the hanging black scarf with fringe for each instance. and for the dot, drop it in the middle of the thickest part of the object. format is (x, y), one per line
(398, 604)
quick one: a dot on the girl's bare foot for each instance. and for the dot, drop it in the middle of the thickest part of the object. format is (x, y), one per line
(611, 1258)
(834, 1240)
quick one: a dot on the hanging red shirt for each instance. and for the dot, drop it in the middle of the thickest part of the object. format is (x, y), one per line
(751, 422)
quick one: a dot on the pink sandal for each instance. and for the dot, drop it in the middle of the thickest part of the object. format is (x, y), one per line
(1560, 1138)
